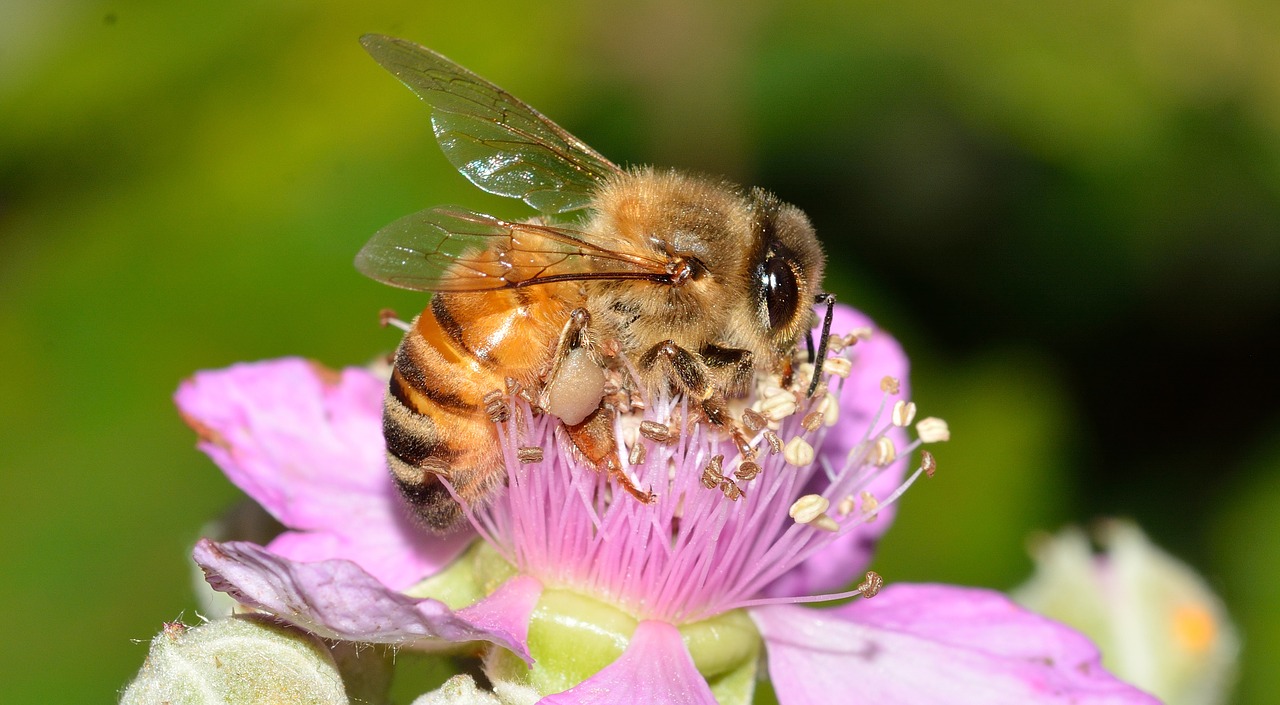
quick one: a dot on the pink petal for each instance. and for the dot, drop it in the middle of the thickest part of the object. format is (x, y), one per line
(656, 669)
(335, 599)
(924, 644)
(847, 558)
(306, 443)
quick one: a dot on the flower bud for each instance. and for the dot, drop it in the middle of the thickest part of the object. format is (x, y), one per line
(243, 659)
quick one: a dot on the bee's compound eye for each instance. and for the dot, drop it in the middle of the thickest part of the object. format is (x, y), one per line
(781, 292)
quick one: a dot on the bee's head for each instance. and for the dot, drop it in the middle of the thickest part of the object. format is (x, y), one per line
(786, 271)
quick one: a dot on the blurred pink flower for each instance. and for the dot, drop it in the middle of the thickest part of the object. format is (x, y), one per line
(305, 444)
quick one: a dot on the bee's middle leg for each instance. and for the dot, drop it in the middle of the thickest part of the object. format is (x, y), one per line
(595, 438)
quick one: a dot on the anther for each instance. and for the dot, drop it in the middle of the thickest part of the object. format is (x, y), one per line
(808, 508)
(860, 333)
(778, 405)
(747, 471)
(731, 491)
(838, 366)
(846, 506)
(495, 406)
(798, 452)
(932, 430)
(883, 452)
(869, 505)
(711, 474)
(871, 585)
(655, 431)
(812, 421)
(529, 454)
(775, 443)
(826, 523)
(753, 421)
(927, 463)
(637, 452)
(904, 412)
(830, 409)
(388, 317)
(889, 385)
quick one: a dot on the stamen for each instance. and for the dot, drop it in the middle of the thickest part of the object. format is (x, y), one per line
(870, 506)
(868, 588)
(870, 585)
(927, 463)
(747, 470)
(808, 508)
(825, 523)
(830, 410)
(388, 317)
(890, 385)
(496, 407)
(529, 454)
(904, 412)
(778, 404)
(932, 430)
(839, 366)
(656, 432)
(753, 421)
(775, 443)
(883, 453)
(637, 452)
(812, 421)
(846, 506)
(798, 452)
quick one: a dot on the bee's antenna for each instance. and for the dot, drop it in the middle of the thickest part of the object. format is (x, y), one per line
(830, 301)
(808, 341)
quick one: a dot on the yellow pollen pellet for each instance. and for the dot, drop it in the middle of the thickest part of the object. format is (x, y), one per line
(798, 452)
(890, 385)
(808, 508)
(904, 412)
(933, 430)
(826, 523)
(838, 366)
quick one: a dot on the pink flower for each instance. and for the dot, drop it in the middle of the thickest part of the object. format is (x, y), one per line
(684, 591)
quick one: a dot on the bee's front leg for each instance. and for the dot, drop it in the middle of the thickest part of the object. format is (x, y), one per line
(708, 377)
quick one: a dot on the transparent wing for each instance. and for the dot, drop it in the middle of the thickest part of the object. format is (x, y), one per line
(454, 249)
(499, 143)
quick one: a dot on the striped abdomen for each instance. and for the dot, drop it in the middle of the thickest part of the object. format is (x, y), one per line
(462, 347)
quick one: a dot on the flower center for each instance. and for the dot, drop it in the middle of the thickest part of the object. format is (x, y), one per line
(723, 525)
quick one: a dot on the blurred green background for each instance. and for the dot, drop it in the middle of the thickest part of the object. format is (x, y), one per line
(1068, 211)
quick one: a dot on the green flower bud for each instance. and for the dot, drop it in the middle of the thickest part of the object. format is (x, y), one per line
(242, 660)
(459, 690)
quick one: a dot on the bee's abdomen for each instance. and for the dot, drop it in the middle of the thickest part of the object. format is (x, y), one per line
(434, 419)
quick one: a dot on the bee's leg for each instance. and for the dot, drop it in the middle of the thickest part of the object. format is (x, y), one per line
(575, 382)
(594, 437)
(693, 375)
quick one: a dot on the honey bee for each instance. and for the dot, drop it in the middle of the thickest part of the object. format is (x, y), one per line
(691, 283)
